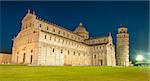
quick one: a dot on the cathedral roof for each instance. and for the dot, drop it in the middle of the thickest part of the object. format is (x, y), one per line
(98, 37)
(99, 44)
(56, 25)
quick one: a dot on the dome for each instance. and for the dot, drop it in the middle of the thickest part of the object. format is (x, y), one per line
(80, 30)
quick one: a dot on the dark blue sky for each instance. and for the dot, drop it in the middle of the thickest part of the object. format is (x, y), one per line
(99, 18)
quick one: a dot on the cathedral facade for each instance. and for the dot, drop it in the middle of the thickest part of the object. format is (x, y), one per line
(43, 43)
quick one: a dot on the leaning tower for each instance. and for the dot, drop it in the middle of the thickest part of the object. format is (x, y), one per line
(122, 52)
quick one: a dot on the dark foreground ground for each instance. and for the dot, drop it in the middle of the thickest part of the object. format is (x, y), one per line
(73, 73)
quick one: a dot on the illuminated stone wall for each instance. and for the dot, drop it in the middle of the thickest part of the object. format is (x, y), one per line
(43, 43)
(5, 58)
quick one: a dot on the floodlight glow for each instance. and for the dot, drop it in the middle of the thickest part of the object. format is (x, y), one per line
(139, 58)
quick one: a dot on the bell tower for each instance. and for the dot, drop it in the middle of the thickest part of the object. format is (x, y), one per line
(122, 49)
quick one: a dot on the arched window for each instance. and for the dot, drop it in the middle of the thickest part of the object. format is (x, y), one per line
(124, 35)
(94, 56)
(104, 40)
(68, 52)
(23, 57)
(74, 53)
(31, 51)
(40, 25)
(47, 28)
(61, 51)
(31, 59)
(45, 36)
(53, 30)
(17, 52)
(53, 50)
(101, 61)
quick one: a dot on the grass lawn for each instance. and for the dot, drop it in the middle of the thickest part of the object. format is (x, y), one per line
(73, 73)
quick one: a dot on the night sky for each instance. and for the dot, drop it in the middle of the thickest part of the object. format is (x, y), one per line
(98, 17)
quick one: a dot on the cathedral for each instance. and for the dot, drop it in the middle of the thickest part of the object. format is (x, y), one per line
(40, 42)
